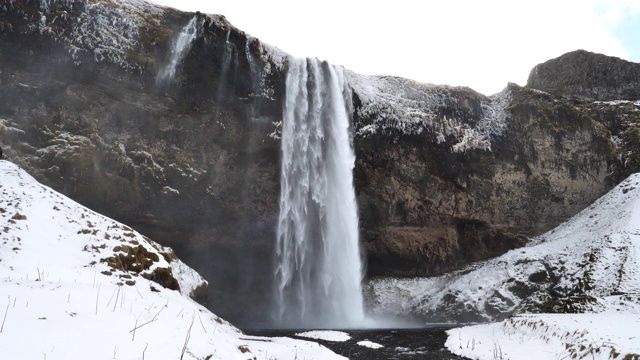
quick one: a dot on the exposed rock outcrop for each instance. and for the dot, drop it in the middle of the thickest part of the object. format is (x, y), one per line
(444, 175)
(427, 208)
(585, 75)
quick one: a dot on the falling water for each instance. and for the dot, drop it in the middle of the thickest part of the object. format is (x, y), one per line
(225, 65)
(179, 49)
(318, 272)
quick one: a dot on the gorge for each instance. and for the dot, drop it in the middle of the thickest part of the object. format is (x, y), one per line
(172, 123)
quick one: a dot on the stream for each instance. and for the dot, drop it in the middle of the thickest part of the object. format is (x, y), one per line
(399, 344)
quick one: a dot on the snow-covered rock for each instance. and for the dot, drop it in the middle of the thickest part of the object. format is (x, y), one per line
(591, 263)
(77, 285)
(391, 105)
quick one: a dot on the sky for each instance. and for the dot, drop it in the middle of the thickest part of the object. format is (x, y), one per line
(480, 44)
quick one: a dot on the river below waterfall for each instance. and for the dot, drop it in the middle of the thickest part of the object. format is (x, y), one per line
(399, 344)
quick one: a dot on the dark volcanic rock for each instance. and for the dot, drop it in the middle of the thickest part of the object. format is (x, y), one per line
(587, 76)
(189, 162)
(427, 208)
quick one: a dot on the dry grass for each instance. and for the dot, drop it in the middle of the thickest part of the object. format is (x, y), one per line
(164, 277)
(137, 259)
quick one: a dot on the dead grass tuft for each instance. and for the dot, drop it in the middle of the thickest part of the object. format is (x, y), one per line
(164, 277)
(18, 216)
(135, 259)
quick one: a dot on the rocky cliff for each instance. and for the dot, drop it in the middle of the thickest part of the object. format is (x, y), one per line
(587, 76)
(589, 264)
(186, 160)
(452, 176)
(444, 175)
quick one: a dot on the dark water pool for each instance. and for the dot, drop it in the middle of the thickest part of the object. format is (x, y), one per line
(400, 344)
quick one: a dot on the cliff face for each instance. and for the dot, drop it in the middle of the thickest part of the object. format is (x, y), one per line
(188, 161)
(587, 76)
(444, 175)
(500, 170)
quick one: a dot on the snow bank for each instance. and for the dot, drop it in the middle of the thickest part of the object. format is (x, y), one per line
(550, 336)
(328, 335)
(370, 344)
(77, 285)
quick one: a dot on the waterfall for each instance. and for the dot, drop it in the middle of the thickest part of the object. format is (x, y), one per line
(318, 271)
(179, 50)
(227, 60)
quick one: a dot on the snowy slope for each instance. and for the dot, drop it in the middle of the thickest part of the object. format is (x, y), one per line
(591, 263)
(77, 285)
(551, 336)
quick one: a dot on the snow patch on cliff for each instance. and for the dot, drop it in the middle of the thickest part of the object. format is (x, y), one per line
(109, 30)
(494, 114)
(393, 105)
(6, 128)
(618, 102)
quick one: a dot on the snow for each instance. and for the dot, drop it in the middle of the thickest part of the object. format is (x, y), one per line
(7, 129)
(494, 121)
(591, 263)
(170, 191)
(328, 335)
(396, 105)
(111, 30)
(618, 102)
(107, 30)
(550, 336)
(370, 344)
(64, 296)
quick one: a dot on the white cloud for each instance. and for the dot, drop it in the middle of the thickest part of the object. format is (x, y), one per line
(612, 12)
(480, 44)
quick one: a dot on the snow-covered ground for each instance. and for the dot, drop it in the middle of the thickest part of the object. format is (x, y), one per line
(77, 285)
(551, 336)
